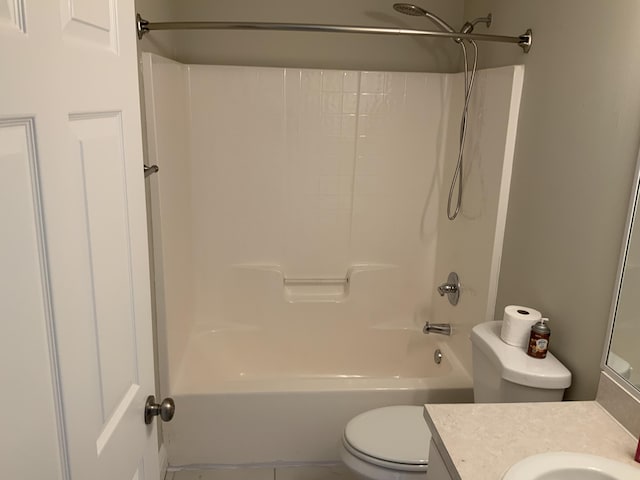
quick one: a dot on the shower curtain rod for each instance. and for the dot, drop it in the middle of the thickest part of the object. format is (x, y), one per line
(144, 26)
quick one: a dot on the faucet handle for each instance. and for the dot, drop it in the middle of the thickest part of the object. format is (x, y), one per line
(447, 288)
(451, 288)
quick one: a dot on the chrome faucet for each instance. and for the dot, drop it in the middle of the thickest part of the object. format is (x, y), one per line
(451, 288)
(447, 288)
(439, 328)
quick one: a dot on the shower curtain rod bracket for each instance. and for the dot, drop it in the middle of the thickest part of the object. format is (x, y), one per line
(525, 40)
(144, 26)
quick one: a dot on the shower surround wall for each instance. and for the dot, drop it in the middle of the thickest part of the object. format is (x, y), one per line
(298, 218)
(315, 179)
(303, 175)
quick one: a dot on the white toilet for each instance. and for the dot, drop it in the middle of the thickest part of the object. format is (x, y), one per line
(393, 442)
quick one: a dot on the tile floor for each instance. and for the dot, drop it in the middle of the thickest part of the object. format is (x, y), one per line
(329, 472)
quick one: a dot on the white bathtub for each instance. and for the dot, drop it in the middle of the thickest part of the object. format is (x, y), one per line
(239, 401)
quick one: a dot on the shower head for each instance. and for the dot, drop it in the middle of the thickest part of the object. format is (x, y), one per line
(409, 9)
(415, 11)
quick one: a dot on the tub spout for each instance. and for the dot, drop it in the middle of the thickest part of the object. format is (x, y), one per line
(439, 328)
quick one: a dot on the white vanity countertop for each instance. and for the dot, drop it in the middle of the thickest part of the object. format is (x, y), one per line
(481, 441)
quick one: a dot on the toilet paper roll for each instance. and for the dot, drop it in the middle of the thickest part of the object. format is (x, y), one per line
(516, 324)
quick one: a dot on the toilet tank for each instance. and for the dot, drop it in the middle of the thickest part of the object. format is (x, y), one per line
(504, 373)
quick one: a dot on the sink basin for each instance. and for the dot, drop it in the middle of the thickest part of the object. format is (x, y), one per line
(570, 466)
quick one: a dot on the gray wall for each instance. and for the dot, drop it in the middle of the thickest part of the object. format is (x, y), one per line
(315, 50)
(577, 144)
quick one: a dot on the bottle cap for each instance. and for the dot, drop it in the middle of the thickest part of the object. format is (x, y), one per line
(541, 327)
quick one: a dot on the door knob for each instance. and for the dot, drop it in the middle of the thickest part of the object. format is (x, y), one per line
(165, 410)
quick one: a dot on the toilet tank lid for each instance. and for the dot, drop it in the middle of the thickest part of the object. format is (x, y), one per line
(514, 363)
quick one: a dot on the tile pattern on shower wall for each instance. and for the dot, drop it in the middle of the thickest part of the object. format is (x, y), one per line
(313, 171)
(396, 172)
(320, 141)
(238, 150)
(396, 187)
(238, 157)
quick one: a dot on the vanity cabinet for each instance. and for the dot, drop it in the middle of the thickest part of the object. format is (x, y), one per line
(437, 469)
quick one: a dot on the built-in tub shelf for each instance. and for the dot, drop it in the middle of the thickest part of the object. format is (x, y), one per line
(333, 289)
(316, 289)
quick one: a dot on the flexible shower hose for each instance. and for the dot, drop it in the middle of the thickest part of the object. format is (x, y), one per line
(468, 87)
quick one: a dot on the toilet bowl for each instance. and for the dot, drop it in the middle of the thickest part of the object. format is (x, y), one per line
(401, 453)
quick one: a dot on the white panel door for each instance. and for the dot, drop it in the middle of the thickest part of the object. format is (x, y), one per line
(74, 268)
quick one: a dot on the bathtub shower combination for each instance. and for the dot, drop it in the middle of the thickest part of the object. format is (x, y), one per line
(300, 232)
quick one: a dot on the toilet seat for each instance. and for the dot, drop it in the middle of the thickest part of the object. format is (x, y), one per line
(377, 462)
(395, 438)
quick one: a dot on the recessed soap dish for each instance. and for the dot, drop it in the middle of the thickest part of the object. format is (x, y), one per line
(316, 289)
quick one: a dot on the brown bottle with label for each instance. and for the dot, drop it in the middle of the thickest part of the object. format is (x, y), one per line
(539, 339)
